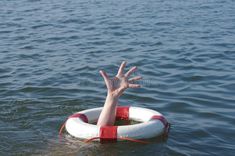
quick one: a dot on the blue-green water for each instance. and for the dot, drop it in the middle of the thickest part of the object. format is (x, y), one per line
(51, 52)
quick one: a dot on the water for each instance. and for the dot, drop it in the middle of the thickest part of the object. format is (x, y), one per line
(51, 52)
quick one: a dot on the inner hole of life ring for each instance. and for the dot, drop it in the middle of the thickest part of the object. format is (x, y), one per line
(122, 122)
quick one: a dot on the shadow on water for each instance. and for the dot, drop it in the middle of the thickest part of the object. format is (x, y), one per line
(71, 146)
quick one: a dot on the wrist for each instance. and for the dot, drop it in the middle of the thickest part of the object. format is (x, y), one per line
(112, 96)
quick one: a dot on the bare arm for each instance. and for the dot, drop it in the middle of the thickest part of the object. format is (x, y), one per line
(115, 86)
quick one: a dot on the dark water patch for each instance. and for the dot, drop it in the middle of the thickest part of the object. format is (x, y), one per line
(5, 31)
(39, 26)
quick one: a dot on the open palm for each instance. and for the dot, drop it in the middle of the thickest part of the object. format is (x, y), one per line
(117, 85)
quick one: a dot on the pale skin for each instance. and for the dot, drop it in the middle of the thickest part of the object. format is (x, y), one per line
(115, 88)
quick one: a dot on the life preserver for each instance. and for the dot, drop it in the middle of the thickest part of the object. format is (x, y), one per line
(152, 124)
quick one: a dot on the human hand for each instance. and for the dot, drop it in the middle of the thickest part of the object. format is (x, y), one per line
(117, 85)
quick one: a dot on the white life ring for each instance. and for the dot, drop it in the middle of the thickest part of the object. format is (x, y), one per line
(152, 124)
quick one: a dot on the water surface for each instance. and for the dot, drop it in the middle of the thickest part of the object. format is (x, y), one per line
(51, 52)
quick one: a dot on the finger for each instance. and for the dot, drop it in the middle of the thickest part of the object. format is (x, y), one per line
(121, 68)
(134, 86)
(135, 79)
(132, 70)
(105, 77)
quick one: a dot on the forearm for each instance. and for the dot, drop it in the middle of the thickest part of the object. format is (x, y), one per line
(108, 113)
(115, 87)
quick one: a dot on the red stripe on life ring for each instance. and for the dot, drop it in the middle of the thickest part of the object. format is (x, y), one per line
(108, 133)
(122, 112)
(161, 118)
(83, 117)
